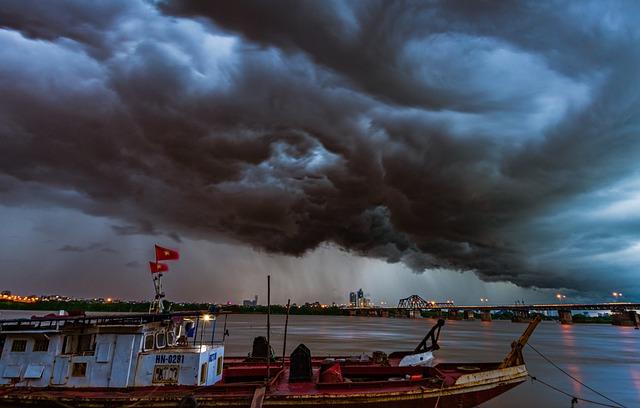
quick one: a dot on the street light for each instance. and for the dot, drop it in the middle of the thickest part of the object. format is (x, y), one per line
(560, 297)
(484, 300)
(617, 295)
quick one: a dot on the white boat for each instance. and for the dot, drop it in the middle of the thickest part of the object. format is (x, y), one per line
(115, 351)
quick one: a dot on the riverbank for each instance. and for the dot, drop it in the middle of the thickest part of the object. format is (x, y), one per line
(306, 309)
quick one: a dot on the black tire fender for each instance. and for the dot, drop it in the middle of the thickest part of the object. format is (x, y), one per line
(188, 402)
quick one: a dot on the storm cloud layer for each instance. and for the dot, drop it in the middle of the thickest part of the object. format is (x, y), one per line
(497, 137)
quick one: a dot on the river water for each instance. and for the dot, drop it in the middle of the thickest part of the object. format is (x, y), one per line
(605, 357)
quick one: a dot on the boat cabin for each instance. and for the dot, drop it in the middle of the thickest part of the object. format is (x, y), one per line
(116, 351)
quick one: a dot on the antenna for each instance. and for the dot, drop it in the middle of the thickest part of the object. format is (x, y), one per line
(157, 305)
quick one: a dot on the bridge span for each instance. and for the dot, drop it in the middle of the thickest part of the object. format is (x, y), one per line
(623, 313)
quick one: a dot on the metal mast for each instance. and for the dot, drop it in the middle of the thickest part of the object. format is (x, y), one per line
(157, 305)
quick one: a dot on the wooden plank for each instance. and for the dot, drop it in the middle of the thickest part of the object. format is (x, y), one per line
(258, 397)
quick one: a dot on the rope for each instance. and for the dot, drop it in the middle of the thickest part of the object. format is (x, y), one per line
(618, 405)
(574, 399)
(439, 394)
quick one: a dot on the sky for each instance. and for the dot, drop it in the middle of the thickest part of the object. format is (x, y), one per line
(451, 149)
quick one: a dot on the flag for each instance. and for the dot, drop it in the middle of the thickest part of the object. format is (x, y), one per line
(164, 254)
(158, 267)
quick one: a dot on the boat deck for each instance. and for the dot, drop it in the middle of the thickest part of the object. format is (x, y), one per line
(365, 384)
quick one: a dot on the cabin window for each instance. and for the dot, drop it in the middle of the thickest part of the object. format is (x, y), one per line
(41, 345)
(148, 342)
(84, 344)
(171, 338)
(203, 372)
(79, 369)
(219, 368)
(161, 340)
(19, 346)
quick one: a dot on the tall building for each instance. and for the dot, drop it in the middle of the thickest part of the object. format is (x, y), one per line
(360, 301)
(353, 300)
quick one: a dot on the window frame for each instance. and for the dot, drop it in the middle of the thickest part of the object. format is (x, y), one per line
(204, 371)
(76, 371)
(144, 341)
(161, 335)
(15, 349)
(171, 338)
(40, 345)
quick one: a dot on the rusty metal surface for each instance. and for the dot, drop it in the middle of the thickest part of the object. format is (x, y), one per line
(472, 387)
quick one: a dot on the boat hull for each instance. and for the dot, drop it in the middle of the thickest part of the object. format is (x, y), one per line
(467, 391)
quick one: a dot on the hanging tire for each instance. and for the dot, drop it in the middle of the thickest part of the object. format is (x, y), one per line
(188, 402)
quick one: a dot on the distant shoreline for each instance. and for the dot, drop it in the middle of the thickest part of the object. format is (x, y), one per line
(143, 307)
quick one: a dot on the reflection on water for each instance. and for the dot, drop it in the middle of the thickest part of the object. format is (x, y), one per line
(603, 356)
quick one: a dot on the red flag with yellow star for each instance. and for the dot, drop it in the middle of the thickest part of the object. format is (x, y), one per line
(158, 267)
(165, 254)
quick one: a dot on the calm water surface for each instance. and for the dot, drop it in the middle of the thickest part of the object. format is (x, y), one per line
(604, 357)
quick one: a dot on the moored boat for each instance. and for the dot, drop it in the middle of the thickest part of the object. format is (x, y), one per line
(162, 360)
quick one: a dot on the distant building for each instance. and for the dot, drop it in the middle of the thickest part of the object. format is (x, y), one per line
(353, 300)
(360, 302)
(251, 303)
(357, 299)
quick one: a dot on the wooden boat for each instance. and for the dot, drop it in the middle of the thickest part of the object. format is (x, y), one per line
(156, 360)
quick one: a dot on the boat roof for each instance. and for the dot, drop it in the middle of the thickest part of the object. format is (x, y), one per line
(55, 322)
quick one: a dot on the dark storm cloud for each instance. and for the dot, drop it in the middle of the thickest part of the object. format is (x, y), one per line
(84, 248)
(133, 264)
(144, 227)
(71, 248)
(440, 134)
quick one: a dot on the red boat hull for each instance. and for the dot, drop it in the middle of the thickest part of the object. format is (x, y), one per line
(365, 384)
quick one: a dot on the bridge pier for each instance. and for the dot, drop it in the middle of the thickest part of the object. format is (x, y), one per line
(521, 316)
(469, 315)
(454, 314)
(564, 315)
(625, 318)
(485, 316)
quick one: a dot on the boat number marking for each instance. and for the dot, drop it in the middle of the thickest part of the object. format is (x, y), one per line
(169, 359)
(165, 374)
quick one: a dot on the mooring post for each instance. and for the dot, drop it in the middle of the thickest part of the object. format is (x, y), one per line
(286, 324)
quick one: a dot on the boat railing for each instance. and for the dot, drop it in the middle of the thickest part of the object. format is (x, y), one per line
(57, 322)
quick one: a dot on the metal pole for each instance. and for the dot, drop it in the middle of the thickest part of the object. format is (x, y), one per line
(224, 329)
(204, 327)
(286, 324)
(268, 326)
(195, 334)
(213, 330)
(160, 300)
